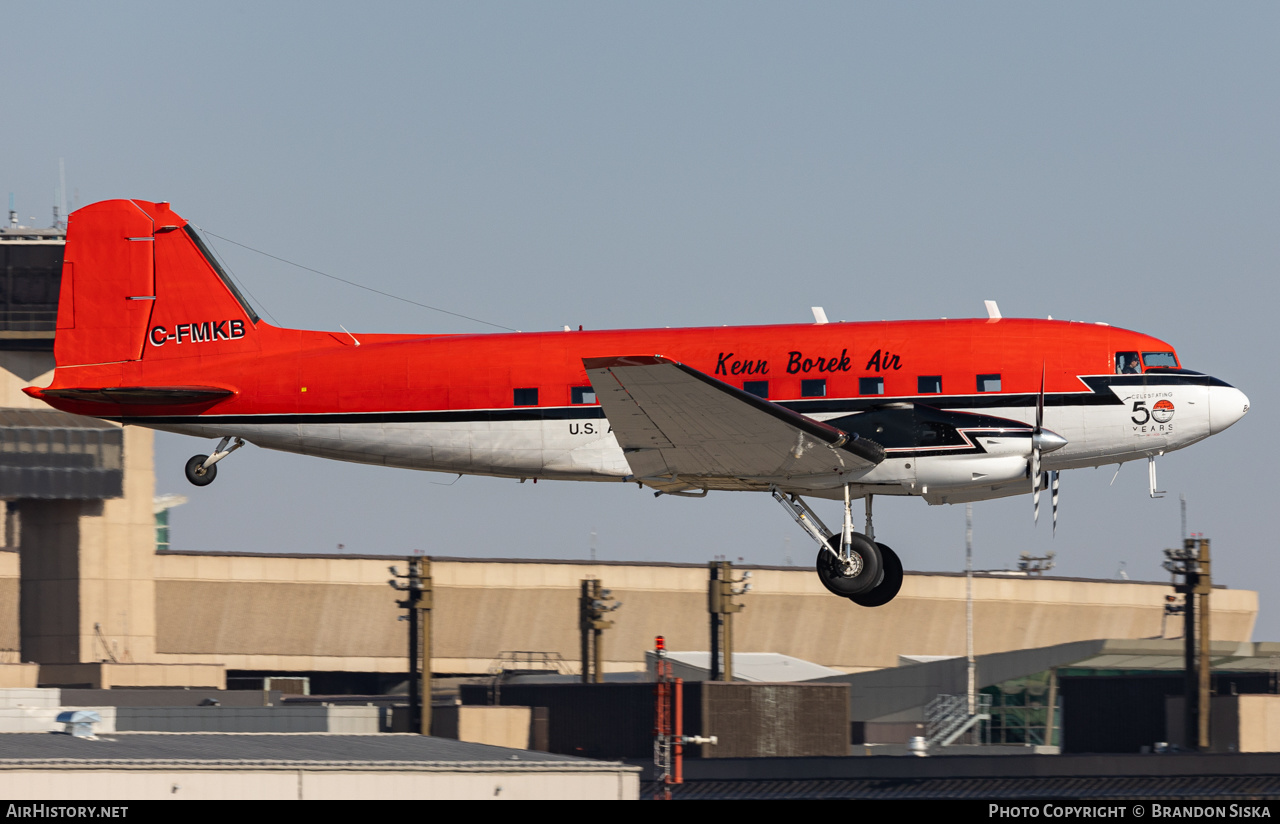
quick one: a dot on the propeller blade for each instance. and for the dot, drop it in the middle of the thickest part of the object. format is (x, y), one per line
(1034, 463)
(1040, 402)
(1035, 484)
(1054, 475)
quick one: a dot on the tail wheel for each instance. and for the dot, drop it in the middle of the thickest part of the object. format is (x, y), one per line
(865, 571)
(883, 592)
(199, 474)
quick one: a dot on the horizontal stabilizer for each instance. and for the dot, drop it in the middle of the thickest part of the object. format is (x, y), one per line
(136, 395)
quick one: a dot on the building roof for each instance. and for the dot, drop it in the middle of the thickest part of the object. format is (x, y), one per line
(1171, 779)
(314, 750)
(998, 575)
(1164, 654)
(773, 667)
(28, 234)
(899, 693)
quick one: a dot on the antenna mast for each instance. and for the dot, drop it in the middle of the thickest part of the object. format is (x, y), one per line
(62, 194)
(968, 606)
(1182, 498)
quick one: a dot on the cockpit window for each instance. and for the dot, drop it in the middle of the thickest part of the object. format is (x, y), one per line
(1165, 359)
(1127, 363)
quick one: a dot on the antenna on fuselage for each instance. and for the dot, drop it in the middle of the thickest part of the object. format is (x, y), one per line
(993, 311)
(819, 315)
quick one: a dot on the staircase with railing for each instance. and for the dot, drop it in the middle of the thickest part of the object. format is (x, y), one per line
(947, 717)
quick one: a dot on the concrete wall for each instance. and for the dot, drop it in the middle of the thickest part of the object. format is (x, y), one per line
(17, 369)
(88, 588)
(272, 612)
(182, 697)
(499, 726)
(9, 638)
(22, 369)
(1237, 723)
(36, 710)
(45, 719)
(1259, 718)
(348, 720)
(105, 676)
(24, 697)
(19, 675)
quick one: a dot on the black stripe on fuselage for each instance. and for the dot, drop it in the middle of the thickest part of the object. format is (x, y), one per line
(532, 413)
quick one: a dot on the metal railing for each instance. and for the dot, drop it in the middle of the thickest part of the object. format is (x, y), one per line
(947, 717)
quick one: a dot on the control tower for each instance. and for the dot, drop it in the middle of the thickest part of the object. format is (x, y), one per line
(76, 502)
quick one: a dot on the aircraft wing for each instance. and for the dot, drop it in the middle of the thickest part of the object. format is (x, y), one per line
(683, 429)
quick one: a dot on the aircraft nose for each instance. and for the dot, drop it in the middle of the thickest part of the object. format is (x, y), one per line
(1226, 406)
(1049, 441)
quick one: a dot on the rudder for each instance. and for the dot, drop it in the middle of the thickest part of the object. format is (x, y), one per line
(108, 284)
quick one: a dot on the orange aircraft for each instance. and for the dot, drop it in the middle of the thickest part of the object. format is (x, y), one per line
(152, 331)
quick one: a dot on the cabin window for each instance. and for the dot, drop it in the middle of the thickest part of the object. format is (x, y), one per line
(526, 397)
(1165, 359)
(870, 386)
(758, 388)
(988, 383)
(929, 384)
(816, 388)
(579, 394)
(1127, 363)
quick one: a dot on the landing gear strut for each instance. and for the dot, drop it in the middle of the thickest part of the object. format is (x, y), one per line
(849, 564)
(202, 469)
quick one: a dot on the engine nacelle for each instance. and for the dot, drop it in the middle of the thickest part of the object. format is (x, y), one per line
(958, 472)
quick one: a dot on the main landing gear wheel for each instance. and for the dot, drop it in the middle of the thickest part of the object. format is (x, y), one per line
(198, 473)
(861, 575)
(883, 592)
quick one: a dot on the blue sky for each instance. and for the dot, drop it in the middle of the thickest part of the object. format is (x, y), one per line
(673, 164)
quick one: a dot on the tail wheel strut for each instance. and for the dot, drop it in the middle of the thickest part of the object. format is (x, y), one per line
(202, 469)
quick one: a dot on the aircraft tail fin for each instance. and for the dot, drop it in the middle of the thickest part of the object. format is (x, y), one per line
(139, 283)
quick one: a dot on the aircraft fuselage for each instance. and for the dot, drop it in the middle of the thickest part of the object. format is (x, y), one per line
(521, 405)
